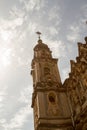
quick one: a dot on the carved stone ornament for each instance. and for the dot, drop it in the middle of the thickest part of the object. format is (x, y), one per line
(84, 127)
(75, 97)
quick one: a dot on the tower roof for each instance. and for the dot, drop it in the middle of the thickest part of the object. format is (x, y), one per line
(41, 46)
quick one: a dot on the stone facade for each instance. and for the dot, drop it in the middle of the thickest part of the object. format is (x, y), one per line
(76, 86)
(59, 106)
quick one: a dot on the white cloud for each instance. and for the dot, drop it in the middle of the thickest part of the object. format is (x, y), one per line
(73, 36)
(76, 29)
(3, 94)
(84, 8)
(57, 47)
(26, 95)
(9, 30)
(17, 12)
(10, 35)
(53, 31)
(54, 13)
(10, 24)
(6, 57)
(18, 120)
(32, 27)
(65, 73)
(31, 5)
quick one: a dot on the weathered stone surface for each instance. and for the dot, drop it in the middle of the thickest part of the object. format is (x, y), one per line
(57, 106)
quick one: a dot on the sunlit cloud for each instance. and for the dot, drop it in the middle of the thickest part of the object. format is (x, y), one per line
(18, 120)
(3, 94)
(11, 24)
(26, 95)
(65, 73)
(8, 30)
(57, 47)
(6, 57)
(6, 35)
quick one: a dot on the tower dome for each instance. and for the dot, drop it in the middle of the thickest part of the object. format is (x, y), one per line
(41, 50)
(41, 46)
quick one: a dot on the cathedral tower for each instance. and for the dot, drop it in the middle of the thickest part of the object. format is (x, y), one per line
(49, 101)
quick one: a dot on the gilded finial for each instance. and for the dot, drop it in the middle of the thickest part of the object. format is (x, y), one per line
(38, 33)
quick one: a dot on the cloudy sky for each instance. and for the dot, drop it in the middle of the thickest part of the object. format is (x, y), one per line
(62, 23)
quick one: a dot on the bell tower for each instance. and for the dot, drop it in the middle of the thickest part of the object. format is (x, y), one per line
(49, 102)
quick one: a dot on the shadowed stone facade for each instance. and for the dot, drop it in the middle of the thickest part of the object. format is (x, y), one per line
(76, 86)
(59, 106)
